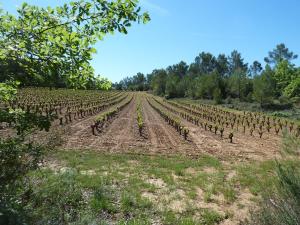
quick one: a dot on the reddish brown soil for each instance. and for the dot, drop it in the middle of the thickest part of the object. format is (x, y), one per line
(121, 135)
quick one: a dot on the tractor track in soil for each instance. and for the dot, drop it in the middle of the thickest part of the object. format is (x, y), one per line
(80, 135)
(164, 138)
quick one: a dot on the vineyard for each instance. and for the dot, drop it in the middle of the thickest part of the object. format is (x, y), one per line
(95, 133)
(163, 159)
(139, 122)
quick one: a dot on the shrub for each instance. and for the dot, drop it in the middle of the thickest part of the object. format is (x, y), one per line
(283, 205)
(295, 100)
(217, 96)
(228, 100)
(277, 106)
(18, 157)
(280, 114)
(284, 99)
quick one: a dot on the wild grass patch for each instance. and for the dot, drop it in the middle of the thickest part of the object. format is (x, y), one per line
(136, 189)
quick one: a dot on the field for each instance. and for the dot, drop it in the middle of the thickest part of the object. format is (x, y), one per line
(105, 120)
(141, 159)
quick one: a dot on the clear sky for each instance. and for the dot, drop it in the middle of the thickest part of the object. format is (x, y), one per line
(180, 30)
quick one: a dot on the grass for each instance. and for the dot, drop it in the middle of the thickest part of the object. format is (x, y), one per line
(139, 189)
(211, 217)
(256, 176)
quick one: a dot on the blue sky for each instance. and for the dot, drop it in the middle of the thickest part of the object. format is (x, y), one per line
(180, 30)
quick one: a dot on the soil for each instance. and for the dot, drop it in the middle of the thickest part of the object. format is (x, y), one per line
(244, 146)
(121, 135)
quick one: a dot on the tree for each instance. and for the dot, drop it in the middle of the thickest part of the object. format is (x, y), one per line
(236, 62)
(99, 83)
(284, 74)
(255, 68)
(220, 77)
(222, 65)
(158, 82)
(280, 53)
(139, 82)
(202, 86)
(103, 83)
(179, 70)
(237, 84)
(217, 95)
(57, 43)
(205, 62)
(206, 85)
(293, 89)
(135, 83)
(264, 86)
(171, 86)
(193, 70)
(183, 86)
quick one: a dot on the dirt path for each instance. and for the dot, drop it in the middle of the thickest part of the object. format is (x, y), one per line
(122, 133)
(116, 133)
(162, 137)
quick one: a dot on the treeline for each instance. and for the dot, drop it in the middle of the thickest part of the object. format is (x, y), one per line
(223, 77)
(12, 70)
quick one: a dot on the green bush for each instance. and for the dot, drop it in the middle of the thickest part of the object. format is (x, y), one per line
(295, 100)
(280, 114)
(217, 95)
(277, 106)
(228, 100)
(283, 205)
(18, 157)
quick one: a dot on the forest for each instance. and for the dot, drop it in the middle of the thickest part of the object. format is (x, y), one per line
(222, 78)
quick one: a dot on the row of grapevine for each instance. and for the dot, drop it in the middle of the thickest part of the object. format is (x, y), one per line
(42, 98)
(82, 113)
(106, 116)
(139, 117)
(63, 105)
(171, 119)
(207, 125)
(247, 121)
